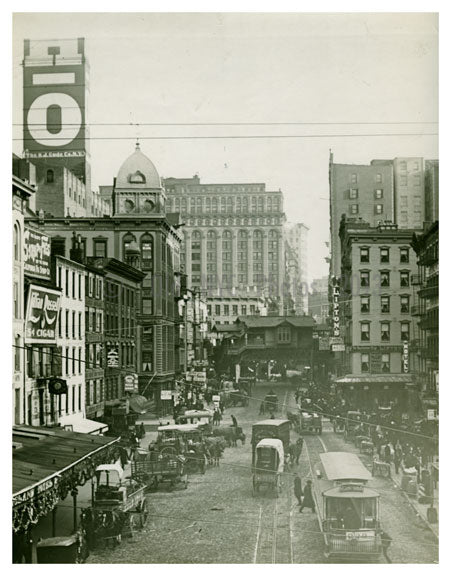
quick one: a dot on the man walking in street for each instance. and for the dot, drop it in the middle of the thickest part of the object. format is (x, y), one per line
(308, 501)
(298, 489)
(299, 445)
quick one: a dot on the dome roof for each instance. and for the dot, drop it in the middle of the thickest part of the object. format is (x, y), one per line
(138, 172)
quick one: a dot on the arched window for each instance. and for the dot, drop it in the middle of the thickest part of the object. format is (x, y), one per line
(207, 205)
(126, 241)
(17, 253)
(229, 204)
(260, 204)
(147, 252)
(211, 235)
(227, 235)
(50, 176)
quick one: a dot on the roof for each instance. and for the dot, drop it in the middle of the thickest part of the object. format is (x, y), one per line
(140, 166)
(273, 321)
(226, 328)
(344, 466)
(338, 492)
(180, 427)
(271, 422)
(43, 453)
(375, 379)
(111, 468)
(272, 442)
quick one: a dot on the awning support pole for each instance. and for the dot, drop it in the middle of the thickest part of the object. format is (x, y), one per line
(74, 496)
(54, 521)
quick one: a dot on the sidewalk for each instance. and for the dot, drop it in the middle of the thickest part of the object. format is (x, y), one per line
(420, 509)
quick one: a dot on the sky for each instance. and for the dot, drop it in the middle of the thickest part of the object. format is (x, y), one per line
(349, 83)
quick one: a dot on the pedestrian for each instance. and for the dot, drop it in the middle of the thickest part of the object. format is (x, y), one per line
(308, 501)
(299, 445)
(298, 489)
(397, 458)
(386, 541)
(387, 453)
(142, 430)
(272, 417)
(234, 421)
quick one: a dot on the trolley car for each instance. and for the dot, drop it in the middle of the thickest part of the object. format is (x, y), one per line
(350, 509)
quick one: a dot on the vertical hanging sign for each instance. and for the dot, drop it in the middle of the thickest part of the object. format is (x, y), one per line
(405, 357)
(336, 307)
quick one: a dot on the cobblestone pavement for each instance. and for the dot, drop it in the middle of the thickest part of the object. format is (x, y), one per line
(218, 520)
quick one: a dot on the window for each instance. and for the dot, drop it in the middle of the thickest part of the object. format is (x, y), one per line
(365, 362)
(353, 194)
(243, 310)
(252, 309)
(59, 325)
(354, 208)
(50, 176)
(67, 361)
(226, 309)
(379, 209)
(16, 300)
(67, 282)
(364, 278)
(79, 360)
(100, 248)
(284, 334)
(385, 304)
(378, 194)
(404, 279)
(405, 331)
(73, 325)
(385, 278)
(403, 202)
(364, 255)
(405, 304)
(403, 217)
(385, 362)
(403, 180)
(73, 361)
(147, 253)
(365, 331)
(385, 255)
(417, 180)
(16, 239)
(218, 310)
(378, 178)
(364, 304)
(73, 398)
(74, 285)
(353, 178)
(385, 331)
(403, 165)
(404, 255)
(67, 323)
(235, 310)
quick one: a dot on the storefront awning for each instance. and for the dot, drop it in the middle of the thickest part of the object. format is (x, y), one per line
(90, 427)
(368, 379)
(47, 464)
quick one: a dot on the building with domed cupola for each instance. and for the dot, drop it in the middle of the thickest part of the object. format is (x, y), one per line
(140, 234)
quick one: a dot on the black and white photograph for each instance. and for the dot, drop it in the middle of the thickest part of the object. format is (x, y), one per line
(225, 283)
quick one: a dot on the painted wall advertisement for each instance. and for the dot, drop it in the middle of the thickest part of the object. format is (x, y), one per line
(36, 254)
(131, 383)
(42, 315)
(112, 356)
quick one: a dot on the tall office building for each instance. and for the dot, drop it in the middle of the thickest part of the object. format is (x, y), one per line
(233, 240)
(358, 191)
(297, 237)
(431, 188)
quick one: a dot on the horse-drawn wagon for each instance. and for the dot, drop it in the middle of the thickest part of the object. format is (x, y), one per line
(154, 468)
(119, 504)
(269, 463)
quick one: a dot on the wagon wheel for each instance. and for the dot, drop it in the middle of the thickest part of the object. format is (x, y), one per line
(144, 513)
(184, 479)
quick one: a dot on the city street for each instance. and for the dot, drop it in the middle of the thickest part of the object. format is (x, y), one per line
(218, 520)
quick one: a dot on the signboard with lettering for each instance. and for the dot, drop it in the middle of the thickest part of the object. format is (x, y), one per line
(41, 319)
(55, 90)
(338, 347)
(166, 394)
(36, 254)
(405, 357)
(131, 383)
(323, 343)
(336, 307)
(112, 356)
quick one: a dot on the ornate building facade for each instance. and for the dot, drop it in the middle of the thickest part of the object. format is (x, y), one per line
(233, 239)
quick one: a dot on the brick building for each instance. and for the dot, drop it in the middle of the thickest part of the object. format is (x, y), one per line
(378, 270)
(426, 247)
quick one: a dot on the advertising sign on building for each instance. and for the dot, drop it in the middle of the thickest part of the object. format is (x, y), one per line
(336, 307)
(405, 357)
(42, 315)
(199, 377)
(338, 348)
(36, 254)
(112, 356)
(323, 343)
(166, 394)
(131, 383)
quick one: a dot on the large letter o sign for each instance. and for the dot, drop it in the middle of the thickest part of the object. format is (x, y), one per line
(59, 106)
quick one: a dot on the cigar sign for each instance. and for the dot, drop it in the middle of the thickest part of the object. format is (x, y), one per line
(42, 315)
(36, 254)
